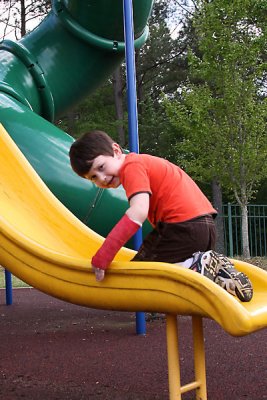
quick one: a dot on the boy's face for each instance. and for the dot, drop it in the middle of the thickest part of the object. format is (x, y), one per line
(104, 172)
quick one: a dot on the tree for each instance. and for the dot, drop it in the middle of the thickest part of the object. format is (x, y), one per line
(223, 113)
(159, 67)
(18, 15)
(97, 111)
(118, 86)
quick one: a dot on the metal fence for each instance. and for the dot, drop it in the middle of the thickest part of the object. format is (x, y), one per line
(257, 227)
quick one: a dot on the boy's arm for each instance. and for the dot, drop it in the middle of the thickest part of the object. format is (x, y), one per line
(121, 233)
(139, 206)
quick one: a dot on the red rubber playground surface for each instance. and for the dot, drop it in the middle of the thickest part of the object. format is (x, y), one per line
(52, 350)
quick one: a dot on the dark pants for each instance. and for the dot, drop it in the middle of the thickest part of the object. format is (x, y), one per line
(175, 243)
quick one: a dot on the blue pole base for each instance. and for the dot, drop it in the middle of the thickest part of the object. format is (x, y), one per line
(140, 323)
(8, 279)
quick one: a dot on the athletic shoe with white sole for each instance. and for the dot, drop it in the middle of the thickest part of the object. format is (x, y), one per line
(220, 270)
(233, 281)
(206, 263)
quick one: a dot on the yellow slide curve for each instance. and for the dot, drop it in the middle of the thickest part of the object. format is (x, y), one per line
(45, 245)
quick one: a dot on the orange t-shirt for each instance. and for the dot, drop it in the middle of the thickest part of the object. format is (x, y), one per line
(174, 196)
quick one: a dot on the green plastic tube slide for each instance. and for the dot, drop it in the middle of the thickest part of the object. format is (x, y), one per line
(50, 70)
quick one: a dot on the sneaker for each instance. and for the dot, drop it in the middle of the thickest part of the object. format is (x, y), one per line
(206, 263)
(233, 281)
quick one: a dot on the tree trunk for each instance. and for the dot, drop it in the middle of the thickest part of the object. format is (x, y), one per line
(70, 116)
(139, 86)
(118, 98)
(22, 18)
(245, 238)
(218, 205)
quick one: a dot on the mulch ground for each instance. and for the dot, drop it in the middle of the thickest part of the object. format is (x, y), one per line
(52, 350)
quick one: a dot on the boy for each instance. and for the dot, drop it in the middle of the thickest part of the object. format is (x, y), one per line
(181, 215)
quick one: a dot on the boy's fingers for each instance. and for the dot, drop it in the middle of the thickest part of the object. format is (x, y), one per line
(99, 274)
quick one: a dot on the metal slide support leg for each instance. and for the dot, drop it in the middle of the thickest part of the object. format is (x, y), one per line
(199, 384)
(199, 358)
(173, 357)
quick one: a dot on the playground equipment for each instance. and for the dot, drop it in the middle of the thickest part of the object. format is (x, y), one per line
(42, 241)
(45, 245)
(43, 75)
(66, 57)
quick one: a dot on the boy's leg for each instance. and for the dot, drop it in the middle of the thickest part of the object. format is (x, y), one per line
(148, 249)
(176, 242)
(219, 269)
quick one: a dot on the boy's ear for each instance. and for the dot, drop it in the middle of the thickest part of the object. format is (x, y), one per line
(116, 149)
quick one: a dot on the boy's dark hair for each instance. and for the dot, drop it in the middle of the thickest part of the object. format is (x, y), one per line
(85, 149)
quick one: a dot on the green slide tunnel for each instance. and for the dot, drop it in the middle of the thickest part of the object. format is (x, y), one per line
(43, 75)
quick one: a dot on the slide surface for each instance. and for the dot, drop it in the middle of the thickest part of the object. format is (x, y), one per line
(45, 245)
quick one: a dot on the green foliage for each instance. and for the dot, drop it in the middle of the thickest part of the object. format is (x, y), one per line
(158, 69)
(193, 123)
(155, 131)
(15, 281)
(160, 63)
(161, 67)
(222, 114)
(97, 111)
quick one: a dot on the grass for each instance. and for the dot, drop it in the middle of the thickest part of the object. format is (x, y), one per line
(15, 281)
(258, 261)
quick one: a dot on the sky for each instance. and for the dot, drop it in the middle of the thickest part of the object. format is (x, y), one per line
(9, 32)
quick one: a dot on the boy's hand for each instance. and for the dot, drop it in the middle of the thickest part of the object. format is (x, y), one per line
(99, 274)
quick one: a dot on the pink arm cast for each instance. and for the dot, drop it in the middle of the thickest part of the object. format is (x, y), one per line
(117, 237)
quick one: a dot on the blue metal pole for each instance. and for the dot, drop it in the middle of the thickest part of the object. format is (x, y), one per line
(132, 117)
(8, 279)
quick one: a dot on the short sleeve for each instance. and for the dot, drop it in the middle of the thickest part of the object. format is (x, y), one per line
(134, 178)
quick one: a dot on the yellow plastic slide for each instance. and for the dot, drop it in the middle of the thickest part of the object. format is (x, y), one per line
(45, 245)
